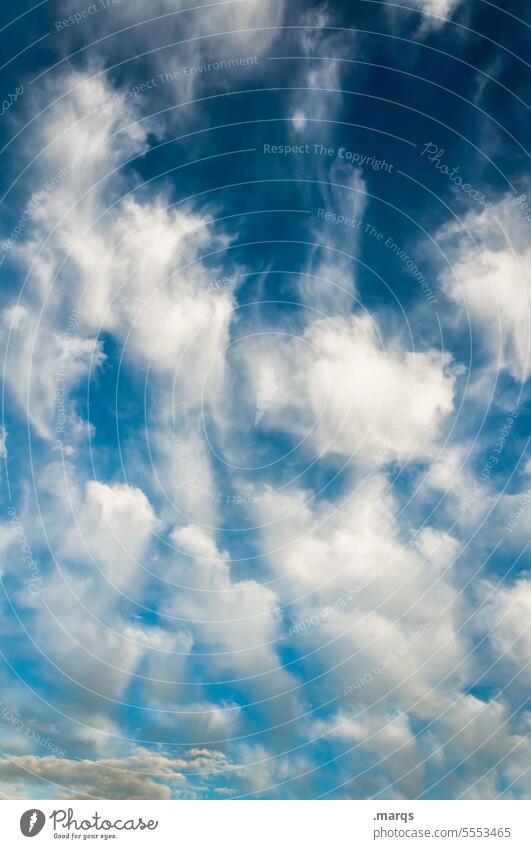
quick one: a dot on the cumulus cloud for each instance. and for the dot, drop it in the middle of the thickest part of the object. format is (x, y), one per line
(482, 750)
(488, 280)
(50, 364)
(506, 618)
(236, 621)
(142, 775)
(387, 739)
(128, 267)
(108, 263)
(469, 751)
(357, 597)
(90, 643)
(114, 526)
(339, 389)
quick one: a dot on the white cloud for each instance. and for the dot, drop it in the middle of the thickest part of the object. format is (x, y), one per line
(114, 527)
(347, 395)
(470, 751)
(506, 618)
(44, 365)
(482, 751)
(376, 605)
(435, 12)
(129, 267)
(489, 281)
(390, 738)
(133, 271)
(235, 620)
(299, 119)
(245, 27)
(317, 70)
(379, 623)
(122, 275)
(141, 775)
(82, 622)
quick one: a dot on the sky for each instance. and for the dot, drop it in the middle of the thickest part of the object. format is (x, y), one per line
(265, 338)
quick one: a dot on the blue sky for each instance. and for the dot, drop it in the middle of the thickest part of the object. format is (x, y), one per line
(265, 336)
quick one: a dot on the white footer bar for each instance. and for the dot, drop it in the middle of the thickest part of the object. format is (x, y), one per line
(268, 824)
